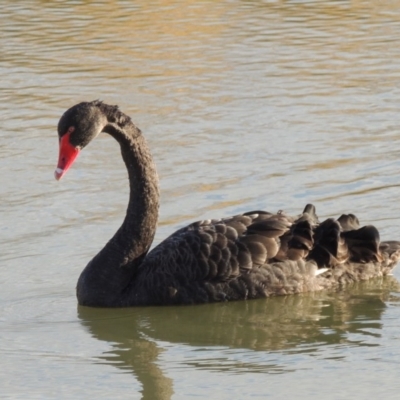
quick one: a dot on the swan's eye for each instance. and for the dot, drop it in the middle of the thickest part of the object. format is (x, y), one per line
(70, 130)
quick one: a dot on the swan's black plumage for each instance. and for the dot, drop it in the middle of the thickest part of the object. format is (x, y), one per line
(256, 254)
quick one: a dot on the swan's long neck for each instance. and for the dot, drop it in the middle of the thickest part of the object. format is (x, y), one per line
(112, 271)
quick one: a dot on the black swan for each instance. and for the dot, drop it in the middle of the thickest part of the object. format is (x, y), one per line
(256, 254)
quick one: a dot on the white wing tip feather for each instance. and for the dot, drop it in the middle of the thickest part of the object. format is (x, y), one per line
(320, 271)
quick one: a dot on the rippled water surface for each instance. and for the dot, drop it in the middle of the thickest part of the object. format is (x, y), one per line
(246, 105)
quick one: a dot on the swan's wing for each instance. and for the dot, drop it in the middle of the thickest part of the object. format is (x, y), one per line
(216, 251)
(219, 250)
(257, 254)
(193, 264)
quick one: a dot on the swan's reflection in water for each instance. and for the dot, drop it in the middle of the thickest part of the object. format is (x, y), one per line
(301, 324)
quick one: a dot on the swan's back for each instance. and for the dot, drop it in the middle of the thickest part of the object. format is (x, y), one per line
(260, 254)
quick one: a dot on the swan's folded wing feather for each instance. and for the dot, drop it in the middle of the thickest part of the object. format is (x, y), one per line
(363, 244)
(260, 254)
(219, 250)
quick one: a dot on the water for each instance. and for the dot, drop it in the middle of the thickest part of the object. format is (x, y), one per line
(246, 105)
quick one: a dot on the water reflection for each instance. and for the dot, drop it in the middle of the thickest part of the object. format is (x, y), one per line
(304, 324)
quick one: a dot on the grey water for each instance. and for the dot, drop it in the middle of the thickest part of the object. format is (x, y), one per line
(267, 104)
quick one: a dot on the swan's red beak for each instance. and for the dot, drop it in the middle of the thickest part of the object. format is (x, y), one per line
(66, 158)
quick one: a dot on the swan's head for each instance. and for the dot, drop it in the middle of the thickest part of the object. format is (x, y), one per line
(76, 128)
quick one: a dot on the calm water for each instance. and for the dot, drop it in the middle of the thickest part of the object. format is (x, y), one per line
(246, 105)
